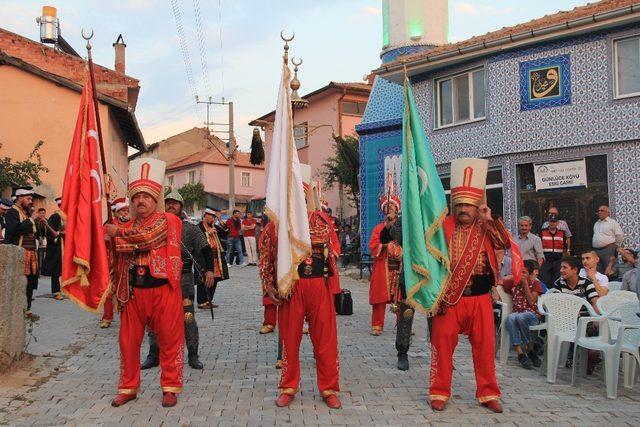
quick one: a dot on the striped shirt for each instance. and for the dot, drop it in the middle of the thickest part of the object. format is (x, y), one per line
(584, 289)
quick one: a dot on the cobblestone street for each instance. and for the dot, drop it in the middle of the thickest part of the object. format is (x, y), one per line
(73, 373)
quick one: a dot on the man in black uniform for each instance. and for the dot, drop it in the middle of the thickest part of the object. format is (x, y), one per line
(196, 255)
(22, 231)
(211, 229)
(404, 311)
(5, 205)
(52, 264)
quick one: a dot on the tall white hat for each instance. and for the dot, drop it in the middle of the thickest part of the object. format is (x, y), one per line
(468, 181)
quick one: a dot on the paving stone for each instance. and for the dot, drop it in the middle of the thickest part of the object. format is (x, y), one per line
(73, 377)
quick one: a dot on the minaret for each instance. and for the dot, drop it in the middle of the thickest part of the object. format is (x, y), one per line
(410, 26)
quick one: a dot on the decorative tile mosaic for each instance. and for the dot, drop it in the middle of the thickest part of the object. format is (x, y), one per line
(385, 102)
(545, 83)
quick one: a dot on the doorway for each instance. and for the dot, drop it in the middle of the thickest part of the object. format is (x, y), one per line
(577, 206)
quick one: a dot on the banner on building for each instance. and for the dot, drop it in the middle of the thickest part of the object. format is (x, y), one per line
(553, 176)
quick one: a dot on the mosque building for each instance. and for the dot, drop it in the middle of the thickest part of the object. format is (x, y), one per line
(553, 104)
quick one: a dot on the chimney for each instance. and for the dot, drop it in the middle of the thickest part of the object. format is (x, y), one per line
(119, 46)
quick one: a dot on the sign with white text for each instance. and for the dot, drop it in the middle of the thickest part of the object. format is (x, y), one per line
(552, 176)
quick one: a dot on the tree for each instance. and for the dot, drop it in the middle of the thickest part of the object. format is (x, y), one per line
(25, 172)
(193, 195)
(343, 168)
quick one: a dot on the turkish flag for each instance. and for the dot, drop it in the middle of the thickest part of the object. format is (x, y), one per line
(85, 268)
(517, 262)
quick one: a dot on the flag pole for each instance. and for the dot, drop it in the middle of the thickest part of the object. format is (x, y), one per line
(94, 97)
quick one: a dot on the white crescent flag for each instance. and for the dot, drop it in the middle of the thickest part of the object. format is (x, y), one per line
(285, 196)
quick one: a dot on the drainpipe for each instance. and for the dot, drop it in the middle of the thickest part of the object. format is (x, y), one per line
(340, 191)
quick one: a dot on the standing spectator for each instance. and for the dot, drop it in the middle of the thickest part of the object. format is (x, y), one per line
(5, 205)
(589, 271)
(530, 244)
(249, 225)
(607, 236)
(347, 243)
(571, 283)
(52, 265)
(41, 219)
(22, 231)
(553, 246)
(234, 224)
(525, 313)
(631, 279)
(562, 226)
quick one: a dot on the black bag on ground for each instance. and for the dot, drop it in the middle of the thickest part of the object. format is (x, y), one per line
(344, 303)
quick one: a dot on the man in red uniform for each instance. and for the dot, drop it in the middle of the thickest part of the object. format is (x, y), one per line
(267, 268)
(120, 217)
(147, 282)
(312, 300)
(476, 246)
(387, 262)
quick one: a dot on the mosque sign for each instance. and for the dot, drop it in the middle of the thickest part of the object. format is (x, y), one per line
(553, 176)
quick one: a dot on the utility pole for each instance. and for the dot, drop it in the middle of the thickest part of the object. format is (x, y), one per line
(231, 145)
(232, 161)
(209, 102)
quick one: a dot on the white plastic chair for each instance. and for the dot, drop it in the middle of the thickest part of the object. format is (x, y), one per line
(627, 341)
(607, 303)
(562, 323)
(614, 286)
(506, 303)
(542, 326)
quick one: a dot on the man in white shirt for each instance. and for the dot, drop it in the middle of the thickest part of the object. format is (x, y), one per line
(607, 236)
(589, 263)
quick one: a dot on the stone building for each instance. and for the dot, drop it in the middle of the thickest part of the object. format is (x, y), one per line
(553, 104)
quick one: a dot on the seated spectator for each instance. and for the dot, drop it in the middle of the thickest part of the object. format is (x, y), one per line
(630, 278)
(524, 313)
(571, 283)
(623, 263)
(589, 271)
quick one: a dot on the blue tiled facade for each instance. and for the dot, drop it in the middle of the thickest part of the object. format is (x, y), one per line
(591, 121)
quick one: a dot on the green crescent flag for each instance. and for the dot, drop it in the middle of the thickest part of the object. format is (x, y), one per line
(424, 208)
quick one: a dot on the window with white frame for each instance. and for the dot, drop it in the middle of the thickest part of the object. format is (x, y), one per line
(627, 67)
(301, 134)
(245, 179)
(192, 177)
(170, 182)
(460, 98)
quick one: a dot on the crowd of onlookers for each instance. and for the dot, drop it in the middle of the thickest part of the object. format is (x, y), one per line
(550, 262)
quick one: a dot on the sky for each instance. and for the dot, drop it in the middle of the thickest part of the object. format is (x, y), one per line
(234, 47)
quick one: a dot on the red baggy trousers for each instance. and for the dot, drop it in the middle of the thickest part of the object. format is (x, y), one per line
(472, 316)
(161, 309)
(108, 308)
(312, 299)
(377, 315)
(270, 315)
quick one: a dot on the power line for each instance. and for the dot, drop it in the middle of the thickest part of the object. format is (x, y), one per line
(221, 50)
(201, 46)
(184, 49)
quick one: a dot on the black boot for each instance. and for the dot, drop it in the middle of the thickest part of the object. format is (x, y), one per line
(403, 362)
(194, 362)
(153, 359)
(192, 337)
(403, 335)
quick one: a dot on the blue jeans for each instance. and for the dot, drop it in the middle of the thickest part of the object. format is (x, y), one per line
(518, 327)
(235, 243)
